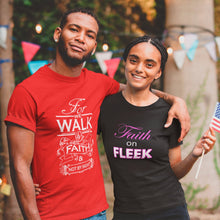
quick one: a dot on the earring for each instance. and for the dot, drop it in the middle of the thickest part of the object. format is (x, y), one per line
(56, 40)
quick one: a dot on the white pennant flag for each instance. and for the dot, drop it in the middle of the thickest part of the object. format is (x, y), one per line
(101, 57)
(217, 40)
(189, 40)
(3, 37)
(179, 57)
(210, 47)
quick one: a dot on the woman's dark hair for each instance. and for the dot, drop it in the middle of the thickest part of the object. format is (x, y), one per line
(82, 10)
(152, 40)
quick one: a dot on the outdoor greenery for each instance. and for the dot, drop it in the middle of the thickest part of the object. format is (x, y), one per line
(115, 27)
(120, 22)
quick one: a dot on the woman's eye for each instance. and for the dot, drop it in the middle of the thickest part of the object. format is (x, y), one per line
(149, 65)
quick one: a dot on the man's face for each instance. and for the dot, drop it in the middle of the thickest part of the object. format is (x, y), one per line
(77, 39)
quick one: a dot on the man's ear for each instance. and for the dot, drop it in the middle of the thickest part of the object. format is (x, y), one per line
(57, 33)
(94, 49)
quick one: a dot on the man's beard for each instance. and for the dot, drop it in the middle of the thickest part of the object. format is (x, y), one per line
(70, 61)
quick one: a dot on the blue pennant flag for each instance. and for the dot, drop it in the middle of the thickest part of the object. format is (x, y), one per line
(191, 52)
(35, 65)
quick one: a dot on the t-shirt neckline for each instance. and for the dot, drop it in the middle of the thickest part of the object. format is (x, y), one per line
(139, 107)
(60, 77)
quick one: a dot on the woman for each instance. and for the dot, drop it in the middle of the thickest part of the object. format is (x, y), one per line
(144, 157)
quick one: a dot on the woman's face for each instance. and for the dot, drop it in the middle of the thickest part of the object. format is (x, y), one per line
(142, 66)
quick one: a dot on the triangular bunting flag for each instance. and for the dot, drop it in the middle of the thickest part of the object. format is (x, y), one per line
(101, 57)
(3, 37)
(29, 50)
(191, 52)
(112, 66)
(179, 57)
(211, 50)
(217, 40)
(33, 66)
(189, 39)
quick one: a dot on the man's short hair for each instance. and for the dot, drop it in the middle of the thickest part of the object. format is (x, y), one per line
(82, 10)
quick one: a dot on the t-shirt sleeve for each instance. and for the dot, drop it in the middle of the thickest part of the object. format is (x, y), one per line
(112, 86)
(99, 125)
(22, 109)
(99, 129)
(175, 134)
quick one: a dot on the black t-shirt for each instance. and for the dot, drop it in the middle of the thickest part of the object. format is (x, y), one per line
(137, 147)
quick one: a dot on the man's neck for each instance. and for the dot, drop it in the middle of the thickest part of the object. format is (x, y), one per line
(61, 68)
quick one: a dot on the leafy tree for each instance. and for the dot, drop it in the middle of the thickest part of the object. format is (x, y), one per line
(117, 27)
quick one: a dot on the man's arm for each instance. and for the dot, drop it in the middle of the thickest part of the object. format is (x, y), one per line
(121, 87)
(21, 148)
(178, 110)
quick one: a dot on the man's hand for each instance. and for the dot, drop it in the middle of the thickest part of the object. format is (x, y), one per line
(179, 110)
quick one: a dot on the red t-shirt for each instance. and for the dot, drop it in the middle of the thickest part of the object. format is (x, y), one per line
(63, 113)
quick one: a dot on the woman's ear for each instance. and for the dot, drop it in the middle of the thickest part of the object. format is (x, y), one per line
(158, 75)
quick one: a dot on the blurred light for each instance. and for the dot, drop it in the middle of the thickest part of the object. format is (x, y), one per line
(169, 50)
(38, 28)
(1, 181)
(181, 39)
(105, 47)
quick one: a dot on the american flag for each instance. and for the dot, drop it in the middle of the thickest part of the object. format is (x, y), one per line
(215, 122)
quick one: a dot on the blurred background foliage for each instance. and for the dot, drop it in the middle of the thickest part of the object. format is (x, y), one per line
(120, 21)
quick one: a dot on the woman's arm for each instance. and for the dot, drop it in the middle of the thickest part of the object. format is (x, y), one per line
(182, 167)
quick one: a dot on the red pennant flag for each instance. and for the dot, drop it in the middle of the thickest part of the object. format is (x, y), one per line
(112, 66)
(29, 50)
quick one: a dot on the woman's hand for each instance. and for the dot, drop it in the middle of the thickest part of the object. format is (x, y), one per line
(37, 189)
(206, 142)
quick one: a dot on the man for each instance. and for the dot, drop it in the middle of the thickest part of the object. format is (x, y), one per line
(52, 124)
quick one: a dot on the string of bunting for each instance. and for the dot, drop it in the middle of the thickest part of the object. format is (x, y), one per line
(30, 49)
(193, 39)
(190, 38)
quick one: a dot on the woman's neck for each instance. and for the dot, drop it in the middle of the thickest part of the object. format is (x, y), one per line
(139, 97)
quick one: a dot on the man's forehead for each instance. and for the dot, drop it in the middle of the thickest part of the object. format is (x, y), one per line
(82, 20)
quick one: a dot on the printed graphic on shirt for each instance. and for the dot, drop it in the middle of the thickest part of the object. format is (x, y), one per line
(75, 138)
(132, 135)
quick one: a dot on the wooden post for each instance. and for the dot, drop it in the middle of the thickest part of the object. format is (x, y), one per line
(11, 209)
(196, 82)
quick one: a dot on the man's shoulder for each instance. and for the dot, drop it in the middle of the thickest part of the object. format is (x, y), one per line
(95, 75)
(35, 76)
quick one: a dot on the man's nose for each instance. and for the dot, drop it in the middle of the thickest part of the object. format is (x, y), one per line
(80, 37)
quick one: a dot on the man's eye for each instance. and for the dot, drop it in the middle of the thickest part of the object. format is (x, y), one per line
(73, 29)
(133, 61)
